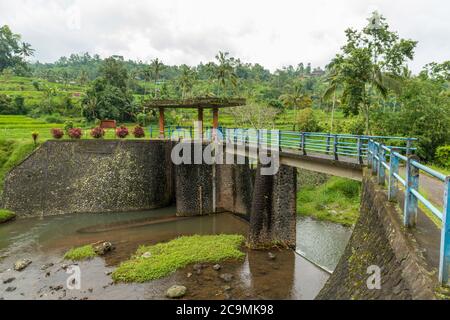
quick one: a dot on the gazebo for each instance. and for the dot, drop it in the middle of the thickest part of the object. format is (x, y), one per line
(196, 103)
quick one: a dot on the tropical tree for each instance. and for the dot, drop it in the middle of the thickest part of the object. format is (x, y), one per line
(224, 72)
(296, 98)
(156, 67)
(334, 82)
(12, 50)
(371, 65)
(186, 80)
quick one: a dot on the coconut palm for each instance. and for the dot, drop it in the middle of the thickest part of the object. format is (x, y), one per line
(224, 71)
(186, 80)
(26, 50)
(334, 85)
(156, 67)
(296, 99)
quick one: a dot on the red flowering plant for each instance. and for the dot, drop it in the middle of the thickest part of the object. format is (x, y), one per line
(97, 133)
(75, 133)
(122, 132)
(138, 132)
(57, 133)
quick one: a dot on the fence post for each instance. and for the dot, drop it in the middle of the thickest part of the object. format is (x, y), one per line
(393, 168)
(412, 182)
(374, 158)
(381, 174)
(303, 144)
(444, 261)
(335, 149)
(279, 140)
(369, 153)
(360, 160)
(328, 143)
(408, 147)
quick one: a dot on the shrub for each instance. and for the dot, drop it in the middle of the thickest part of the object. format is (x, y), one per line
(68, 125)
(140, 119)
(97, 133)
(138, 132)
(442, 156)
(122, 132)
(307, 121)
(57, 133)
(75, 133)
(54, 118)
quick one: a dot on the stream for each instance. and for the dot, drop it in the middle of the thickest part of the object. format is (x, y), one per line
(45, 240)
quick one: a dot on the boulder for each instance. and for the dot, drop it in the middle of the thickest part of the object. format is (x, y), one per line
(227, 277)
(21, 264)
(176, 291)
(101, 248)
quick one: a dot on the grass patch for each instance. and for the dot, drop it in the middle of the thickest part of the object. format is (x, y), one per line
(80, 253)
(167, 257)
(337, 200)
(6, 215)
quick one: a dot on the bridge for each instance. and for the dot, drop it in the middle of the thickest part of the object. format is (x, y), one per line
(390, 159)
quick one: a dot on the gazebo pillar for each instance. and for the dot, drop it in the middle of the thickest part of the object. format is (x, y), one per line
(215, 122)
(200, 119)
(161, 123)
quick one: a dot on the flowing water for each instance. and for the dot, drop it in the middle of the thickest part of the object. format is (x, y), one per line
(44, 241)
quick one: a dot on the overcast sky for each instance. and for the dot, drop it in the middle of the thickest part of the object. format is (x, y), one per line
(273, 33)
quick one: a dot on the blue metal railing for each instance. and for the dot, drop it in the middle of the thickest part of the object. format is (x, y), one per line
(389, 170)
(336, 145)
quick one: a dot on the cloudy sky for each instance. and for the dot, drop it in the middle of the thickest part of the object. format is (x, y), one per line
(273, 33)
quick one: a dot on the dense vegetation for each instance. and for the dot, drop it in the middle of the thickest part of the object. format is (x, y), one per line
(366, 88)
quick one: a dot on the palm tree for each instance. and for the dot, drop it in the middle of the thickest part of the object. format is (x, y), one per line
(224, 72)
(147, 76)
(296, 98)
(334, 85)
(156, 67)
(186, 80)
(26, 50)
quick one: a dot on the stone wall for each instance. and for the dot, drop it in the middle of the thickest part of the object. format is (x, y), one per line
(234, 188)
(379, 239)
(91, 176)
(273, 214)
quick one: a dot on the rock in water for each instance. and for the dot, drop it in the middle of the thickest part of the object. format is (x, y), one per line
(226, 277)
(9, 280)
(102, 248)
(271, 256)
(176, 291)
(21, 264)
(217, 267)
(197, 267)
(10, 289)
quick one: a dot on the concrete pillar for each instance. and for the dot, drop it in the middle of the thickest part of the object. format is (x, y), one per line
(161, 123)
(273, 214)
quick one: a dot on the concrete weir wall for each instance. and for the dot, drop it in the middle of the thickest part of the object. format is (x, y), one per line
(380, 240)
(91, 176)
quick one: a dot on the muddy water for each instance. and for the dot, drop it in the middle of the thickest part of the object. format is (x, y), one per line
(44, 241)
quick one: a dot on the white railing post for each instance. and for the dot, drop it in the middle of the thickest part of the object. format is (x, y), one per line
(412, 182)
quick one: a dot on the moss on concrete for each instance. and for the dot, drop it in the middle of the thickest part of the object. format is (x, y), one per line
(157, 261)
(6, 215)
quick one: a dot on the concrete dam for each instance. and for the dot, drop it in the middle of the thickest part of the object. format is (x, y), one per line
(90, 176)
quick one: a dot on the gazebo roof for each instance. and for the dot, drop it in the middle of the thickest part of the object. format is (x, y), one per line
(196, 103)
